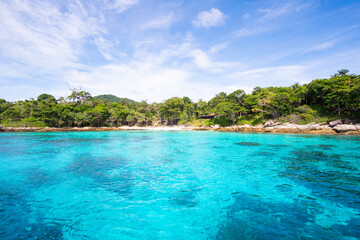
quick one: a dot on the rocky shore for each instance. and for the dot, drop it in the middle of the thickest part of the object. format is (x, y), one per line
(341, 126)
(338, 127)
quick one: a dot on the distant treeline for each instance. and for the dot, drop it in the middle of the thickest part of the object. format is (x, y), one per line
(319, 101)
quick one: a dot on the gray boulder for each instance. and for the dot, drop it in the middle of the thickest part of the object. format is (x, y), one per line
(347, 121)
(336, 122)
(345, 128)
(269, 123)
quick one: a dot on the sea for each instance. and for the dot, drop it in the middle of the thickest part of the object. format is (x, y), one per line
(179, 185)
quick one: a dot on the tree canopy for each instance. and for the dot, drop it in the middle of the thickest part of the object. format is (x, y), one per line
(320, 100)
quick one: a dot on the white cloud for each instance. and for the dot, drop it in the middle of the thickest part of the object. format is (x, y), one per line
(105, 47)
(320, 47)
(246, 16)
(201, 59)
(211, 18)
(281, 10)
(135, 80)
(121, 5)
(272, 76)
(143, 80)
(38, 34)
(218, 47)
(161, 22)
(271, 13)
(244, 32)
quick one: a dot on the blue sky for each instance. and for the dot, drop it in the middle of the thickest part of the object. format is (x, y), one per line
(152, 50)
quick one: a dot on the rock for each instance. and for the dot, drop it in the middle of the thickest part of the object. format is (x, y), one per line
(335, 123)
(245, 126)
(248, 143)
(215, 126)
(315, 127)
(302, 127)
(345, 128)
(340, 121)
(357, 126)
(271, 123)
(269, 129)
(347, 121)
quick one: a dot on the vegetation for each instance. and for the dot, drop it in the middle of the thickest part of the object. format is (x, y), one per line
(319, 101)
(114, 99)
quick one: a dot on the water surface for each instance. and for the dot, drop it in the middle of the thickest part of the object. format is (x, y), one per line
(178, 185)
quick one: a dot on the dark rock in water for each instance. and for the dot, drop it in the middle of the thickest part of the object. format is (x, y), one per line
(248, 143)
(185, 197)
(218, 147)
(321, 146)
(278, 145)
(38, 177)
(251, 217)
(325, 146)
(98, 169)
(264, 153)
(317, 171)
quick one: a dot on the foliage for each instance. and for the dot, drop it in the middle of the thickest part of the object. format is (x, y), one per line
(319, 101)
(114, 99)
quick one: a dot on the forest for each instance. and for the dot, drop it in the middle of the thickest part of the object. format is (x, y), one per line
(318, 101)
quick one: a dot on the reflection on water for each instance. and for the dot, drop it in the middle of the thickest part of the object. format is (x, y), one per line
(178, 185)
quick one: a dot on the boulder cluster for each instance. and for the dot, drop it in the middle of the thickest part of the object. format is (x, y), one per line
(341, 126)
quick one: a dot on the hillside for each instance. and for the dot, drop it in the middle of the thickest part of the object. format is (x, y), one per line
(113, 98)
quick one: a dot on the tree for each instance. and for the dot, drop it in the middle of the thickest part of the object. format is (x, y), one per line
(79, 96)
(226, 113)
(46, 97)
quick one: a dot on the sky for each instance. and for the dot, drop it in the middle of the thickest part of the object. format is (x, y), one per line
(156, 49)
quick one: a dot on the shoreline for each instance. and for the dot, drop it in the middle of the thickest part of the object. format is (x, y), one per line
(272, 127)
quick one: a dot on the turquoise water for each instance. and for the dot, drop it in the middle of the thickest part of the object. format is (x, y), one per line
(178, 185)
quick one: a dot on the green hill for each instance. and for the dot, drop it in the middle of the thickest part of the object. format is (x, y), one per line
(113, 98)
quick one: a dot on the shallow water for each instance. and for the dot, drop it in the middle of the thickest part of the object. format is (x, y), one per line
(178, 185)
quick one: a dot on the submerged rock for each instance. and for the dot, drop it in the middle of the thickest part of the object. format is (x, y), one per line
(248, 143)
